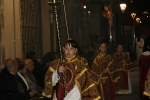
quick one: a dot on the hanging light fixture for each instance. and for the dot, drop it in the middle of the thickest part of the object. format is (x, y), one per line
(123, 7)
(84, 6)
(145, 12)
(138, 20)
(133, 15)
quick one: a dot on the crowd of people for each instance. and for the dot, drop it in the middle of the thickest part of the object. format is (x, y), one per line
(69, 78)
(23, 79)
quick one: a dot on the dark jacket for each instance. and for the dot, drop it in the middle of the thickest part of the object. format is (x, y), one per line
(9, 89)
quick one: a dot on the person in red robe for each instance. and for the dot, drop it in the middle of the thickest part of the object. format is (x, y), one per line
(123, 65)
(70, 80)
(144, 72)
(101, 71)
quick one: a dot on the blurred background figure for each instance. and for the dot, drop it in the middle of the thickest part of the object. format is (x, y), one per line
(48, 58)
(101, 69)
(139, 46)
(123, 65)
(33, 85)
(146, 43)
(39, 71)
(12, 86)
(145, 73)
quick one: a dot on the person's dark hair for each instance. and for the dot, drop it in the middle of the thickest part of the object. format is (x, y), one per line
(71, 42)
(74, 44)
(20, 62)
(102, 43)
(148, 45)
(31, 55)
(119, 45)
(79, 50)
(138, 37)
(148, 38)
(50, 56)
(9, 62)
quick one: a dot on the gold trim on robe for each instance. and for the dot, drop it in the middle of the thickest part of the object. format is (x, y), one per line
(82, 78)
(101, 70)
(98, 98)
(122, 65)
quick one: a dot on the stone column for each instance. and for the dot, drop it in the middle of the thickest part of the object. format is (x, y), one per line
(17, 29)
(10, 31)
(10, 28)
(46, 37)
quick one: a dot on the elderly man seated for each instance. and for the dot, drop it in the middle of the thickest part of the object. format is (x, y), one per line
(28, 75)
(12, 86)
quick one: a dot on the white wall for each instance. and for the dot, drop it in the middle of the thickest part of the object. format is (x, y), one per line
(45, 26)
(11, 42)
(10, 29)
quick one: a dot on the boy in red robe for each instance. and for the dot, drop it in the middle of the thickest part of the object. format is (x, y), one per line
(72, 80)
(101, 70)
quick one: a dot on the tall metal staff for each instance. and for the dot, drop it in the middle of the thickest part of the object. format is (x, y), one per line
(65, 15)
(54, 5)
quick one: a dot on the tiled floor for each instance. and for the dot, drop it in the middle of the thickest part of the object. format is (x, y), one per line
(134, 77)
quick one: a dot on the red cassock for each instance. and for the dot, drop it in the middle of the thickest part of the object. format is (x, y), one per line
(122, 65)
(76, 74)
(104, 80)
(144, 66)
(60, 93)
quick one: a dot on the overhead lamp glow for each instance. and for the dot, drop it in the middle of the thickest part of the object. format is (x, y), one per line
(123, 7)
(145, 12)
(138, 20)
(84, 6)
(133, 15)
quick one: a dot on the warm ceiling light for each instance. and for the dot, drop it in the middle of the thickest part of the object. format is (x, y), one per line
(138, 20)
(123, 7)
(145, 12)
(84, 7)
(133, 15)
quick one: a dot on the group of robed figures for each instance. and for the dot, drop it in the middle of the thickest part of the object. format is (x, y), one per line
(73, 79)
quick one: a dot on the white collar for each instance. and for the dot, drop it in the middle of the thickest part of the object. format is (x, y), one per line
(23, 80)
(146, 53)
(12, 73)
(102, 54)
